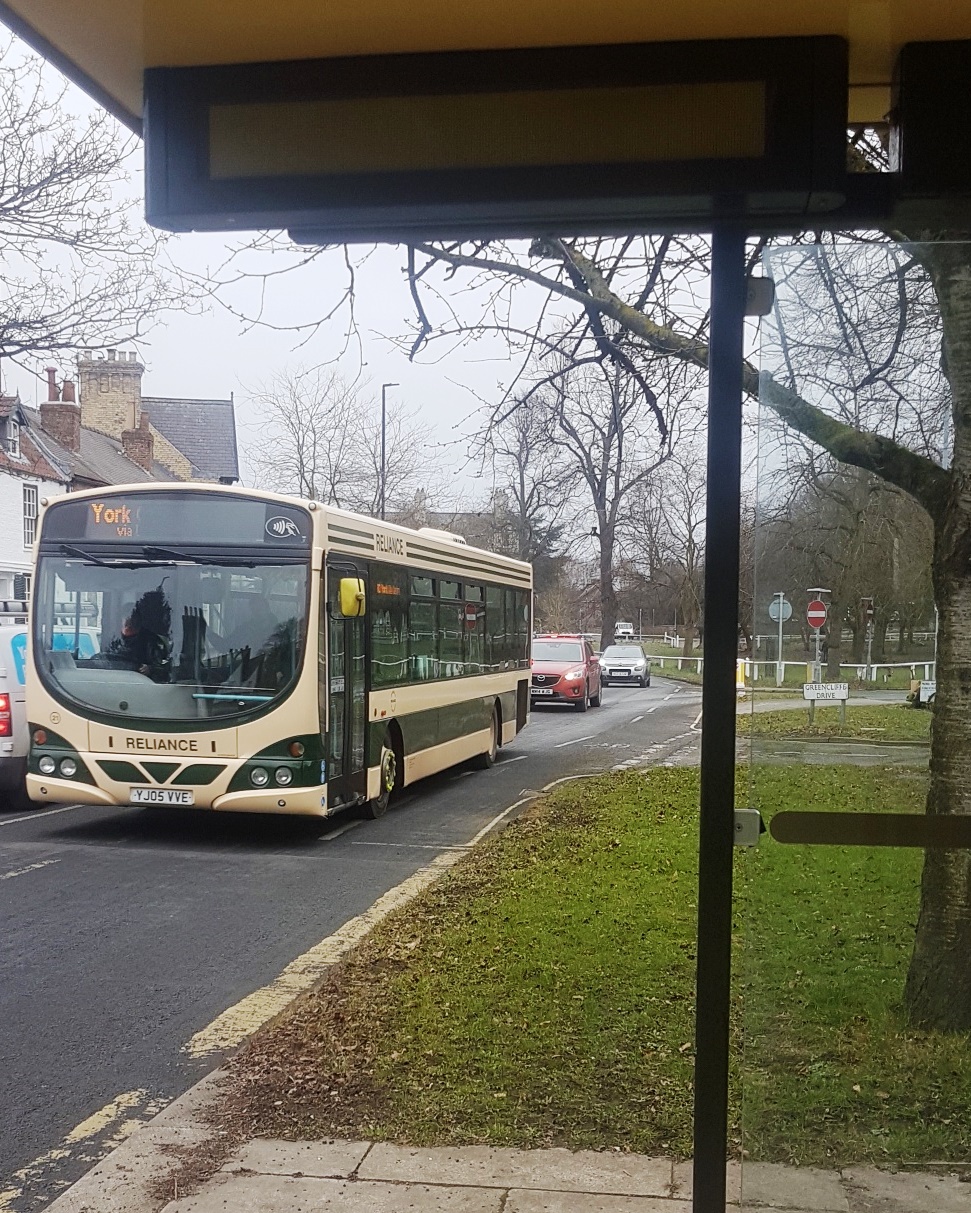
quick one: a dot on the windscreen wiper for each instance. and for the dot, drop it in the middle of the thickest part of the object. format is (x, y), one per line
(151, 550)
(80, 554)
(223, 558)
(68, 550)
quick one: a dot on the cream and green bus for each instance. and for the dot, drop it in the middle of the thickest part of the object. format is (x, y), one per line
(252, 652)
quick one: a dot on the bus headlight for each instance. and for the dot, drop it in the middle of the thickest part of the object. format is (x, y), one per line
(283, 776)
(69, 768)
(47, 765)
(259, 777)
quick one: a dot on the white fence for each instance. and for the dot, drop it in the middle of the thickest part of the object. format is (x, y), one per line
(756, 671)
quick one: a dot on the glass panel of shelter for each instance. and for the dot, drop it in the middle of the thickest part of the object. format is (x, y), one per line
(856, 996)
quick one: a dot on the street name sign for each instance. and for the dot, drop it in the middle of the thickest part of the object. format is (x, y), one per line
(816, 614)
(826, 690)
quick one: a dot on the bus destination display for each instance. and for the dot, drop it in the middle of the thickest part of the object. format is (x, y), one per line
(183, 518)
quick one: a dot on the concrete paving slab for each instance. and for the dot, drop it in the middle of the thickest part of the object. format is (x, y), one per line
(874, 1191)
(276, 1194)
(584, 1202)
(683, 1186)
(324, 1159)
(551, 1170)
(123, 1182)
(808, 1189)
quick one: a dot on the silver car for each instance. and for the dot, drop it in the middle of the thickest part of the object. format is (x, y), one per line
(624, 663)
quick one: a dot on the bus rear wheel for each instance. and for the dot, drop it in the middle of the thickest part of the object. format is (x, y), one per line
(387, 778)
(482, 762)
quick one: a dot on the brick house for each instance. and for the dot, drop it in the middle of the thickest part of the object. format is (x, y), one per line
(107, 433)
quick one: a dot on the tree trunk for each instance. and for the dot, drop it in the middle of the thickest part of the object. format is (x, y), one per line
(608, 594)
(938, 989)
(834, 640)
(880, 640)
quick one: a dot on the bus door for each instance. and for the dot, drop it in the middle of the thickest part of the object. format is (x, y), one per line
(343, 685)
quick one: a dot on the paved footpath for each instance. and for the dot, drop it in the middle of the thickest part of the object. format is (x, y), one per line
(144, 1176)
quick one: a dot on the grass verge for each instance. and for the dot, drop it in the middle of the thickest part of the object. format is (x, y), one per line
(864, 722)
(542, 993)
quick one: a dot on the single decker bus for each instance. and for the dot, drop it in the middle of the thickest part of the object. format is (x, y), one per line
(248, 651)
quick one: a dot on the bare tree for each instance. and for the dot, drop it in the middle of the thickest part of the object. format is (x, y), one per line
(319, 436)
(597, 420)
(664, 535)
(533, 488)
(80, 268)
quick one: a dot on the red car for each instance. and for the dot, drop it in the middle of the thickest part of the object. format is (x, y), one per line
(565, 670)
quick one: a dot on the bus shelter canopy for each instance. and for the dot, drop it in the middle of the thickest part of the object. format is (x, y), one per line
(106, 45)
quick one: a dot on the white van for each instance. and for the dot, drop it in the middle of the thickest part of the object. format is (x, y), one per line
(13, 719)
(13, 712)
(623, 630)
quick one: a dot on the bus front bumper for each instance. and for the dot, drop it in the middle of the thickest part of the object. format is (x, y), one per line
(69, 791)
(308, 802)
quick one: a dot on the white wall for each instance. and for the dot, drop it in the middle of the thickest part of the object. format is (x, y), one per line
(14, 557)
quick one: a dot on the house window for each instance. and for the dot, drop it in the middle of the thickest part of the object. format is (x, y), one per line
(21, 587)
(12, 438)
(30, 514)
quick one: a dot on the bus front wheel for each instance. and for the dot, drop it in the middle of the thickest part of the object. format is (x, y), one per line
(387, 777)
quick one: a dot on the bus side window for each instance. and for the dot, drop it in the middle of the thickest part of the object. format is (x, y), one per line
(389, 628)
(510, 651)
(423, 639)
(496, 629)
(451, 617)
(522, 628)
(474, 630)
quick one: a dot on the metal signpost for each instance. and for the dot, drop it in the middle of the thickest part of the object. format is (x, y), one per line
(826, 692)
(816, 613)
(780, 611)
(867, 610)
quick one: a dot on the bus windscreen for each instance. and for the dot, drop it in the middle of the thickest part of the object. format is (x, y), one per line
(179, 640)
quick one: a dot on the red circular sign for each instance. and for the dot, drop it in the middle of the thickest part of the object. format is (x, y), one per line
(816, 613)
(471, 614)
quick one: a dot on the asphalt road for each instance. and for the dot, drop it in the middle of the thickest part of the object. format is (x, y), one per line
(127, 931)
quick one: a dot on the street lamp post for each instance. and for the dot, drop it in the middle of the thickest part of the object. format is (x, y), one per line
(384, 428)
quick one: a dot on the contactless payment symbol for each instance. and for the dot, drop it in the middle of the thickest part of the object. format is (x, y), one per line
(282, 528)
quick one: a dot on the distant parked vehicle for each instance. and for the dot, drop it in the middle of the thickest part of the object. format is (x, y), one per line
(623, 630)
(624, 663)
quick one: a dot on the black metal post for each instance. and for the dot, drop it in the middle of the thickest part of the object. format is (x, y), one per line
(716, 829)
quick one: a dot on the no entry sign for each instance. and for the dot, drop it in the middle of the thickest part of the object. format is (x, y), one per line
(816, 613)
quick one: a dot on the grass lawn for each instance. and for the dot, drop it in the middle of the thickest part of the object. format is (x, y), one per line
(866, 722)
(542, 993)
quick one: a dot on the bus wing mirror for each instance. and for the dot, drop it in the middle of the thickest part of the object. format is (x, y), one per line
(353, 599)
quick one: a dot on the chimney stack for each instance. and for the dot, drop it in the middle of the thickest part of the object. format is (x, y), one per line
(139, 445)
(60, 415)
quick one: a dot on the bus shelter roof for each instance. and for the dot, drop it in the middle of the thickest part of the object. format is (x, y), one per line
(106, 45)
